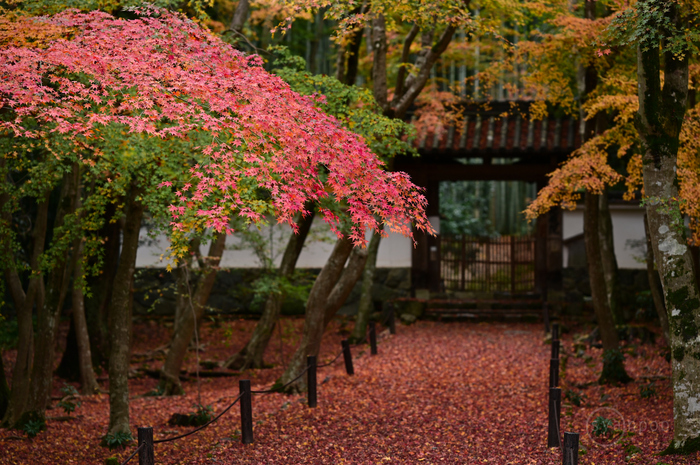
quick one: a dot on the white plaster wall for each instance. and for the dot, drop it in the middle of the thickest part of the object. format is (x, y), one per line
(394, 251)
(628, 226)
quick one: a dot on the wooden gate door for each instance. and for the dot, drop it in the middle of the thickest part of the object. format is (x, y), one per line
(500, 264)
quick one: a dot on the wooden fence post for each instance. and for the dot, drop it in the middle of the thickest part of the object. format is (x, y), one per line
(347, 355)
(555, 348)
(554, 372)
(311, 381)
(553, 439)
(570, 449)
(246, 412)
(373, 338)
(145, 437)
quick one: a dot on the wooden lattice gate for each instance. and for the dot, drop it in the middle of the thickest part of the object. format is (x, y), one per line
(500, 264)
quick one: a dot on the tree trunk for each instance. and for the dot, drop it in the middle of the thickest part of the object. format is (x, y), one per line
(190, 318)
(364, 309)
(69, 366)
(344, 286)
(315, 309)
(88, 381)
(24, 304)
(4, 389)
(613, 361)
(120, 316)
(607, 253)
(240, 16)
(655, 283)
(251, 356)
(183, 283)
(659, 122)
(48, 314)
(97, 305)
(379, 72)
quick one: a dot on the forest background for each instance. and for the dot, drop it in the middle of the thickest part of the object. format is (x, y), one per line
(90, 154)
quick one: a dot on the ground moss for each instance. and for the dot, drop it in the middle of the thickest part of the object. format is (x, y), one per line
(614, 368)
(690, 446)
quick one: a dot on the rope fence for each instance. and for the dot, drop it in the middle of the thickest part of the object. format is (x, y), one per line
(145, 449)
(570, 452)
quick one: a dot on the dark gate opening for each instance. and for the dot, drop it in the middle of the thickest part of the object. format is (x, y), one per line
(488, 264)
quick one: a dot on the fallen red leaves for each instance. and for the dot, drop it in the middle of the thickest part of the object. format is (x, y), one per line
(436, 393)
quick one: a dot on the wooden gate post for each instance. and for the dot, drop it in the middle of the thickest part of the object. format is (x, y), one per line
(347, 355)
(145, 438)
(570, 449)
(246, 412)
(553, 439)
(311, 380)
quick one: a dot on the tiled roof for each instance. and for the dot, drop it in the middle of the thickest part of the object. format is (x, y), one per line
(506, 135)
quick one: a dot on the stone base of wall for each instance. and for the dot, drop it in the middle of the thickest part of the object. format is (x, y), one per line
(575, 300)
(154, 291)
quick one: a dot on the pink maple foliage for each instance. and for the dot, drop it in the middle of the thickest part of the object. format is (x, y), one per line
(165, 76)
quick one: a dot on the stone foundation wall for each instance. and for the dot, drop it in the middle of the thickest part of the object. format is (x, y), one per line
(154, 291)
(575, 297)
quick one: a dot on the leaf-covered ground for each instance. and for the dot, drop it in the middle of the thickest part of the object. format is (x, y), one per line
(457, 393)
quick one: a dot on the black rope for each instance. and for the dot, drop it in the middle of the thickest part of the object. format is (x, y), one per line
(133, 453)
(331, 362)
(203, 426)
(270, 391)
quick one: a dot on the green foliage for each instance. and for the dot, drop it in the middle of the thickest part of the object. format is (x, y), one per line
(67, 403)
(292, 289)
(576, 398)
(465, 210)
(195, 8)
(117, 440)
(203, 414)
(602, 427)
(650, 24)
(630, 449)
(353, 106)
(647, 391)
(32, 423)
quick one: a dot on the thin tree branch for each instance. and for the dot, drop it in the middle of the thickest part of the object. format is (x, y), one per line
(401, 78)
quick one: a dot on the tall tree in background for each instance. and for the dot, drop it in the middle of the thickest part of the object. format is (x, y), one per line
(596, 223)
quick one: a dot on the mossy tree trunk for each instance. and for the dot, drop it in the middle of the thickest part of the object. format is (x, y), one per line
(657, 294)
(364, 309)
(120, 316)
(613, 362)
(190, 317)
(251, 356)
(659, 122)
(332, 286)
